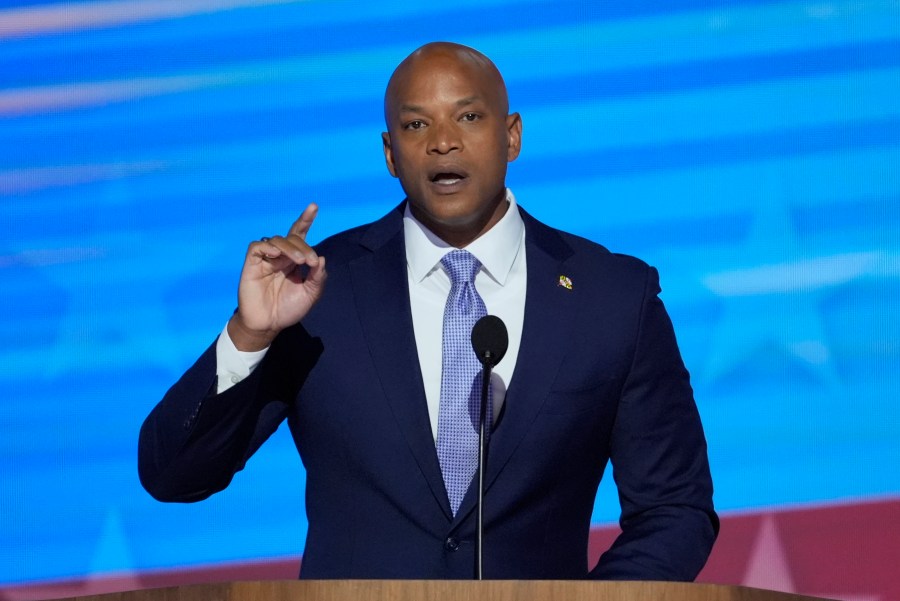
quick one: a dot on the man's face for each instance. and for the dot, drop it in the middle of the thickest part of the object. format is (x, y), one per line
(449, 140)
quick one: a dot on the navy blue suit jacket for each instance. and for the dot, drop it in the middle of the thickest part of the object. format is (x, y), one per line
(598, 377)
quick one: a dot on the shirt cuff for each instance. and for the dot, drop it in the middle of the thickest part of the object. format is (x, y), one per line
(233, 365)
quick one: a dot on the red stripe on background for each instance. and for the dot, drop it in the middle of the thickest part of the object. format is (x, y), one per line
(847, 551)
(274, 569)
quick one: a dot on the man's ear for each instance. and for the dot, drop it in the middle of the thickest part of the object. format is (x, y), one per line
(388, 152)
(514, 135)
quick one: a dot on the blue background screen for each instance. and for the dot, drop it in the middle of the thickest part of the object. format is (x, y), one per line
(749, 150)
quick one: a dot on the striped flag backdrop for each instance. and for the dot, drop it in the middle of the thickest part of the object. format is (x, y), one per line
(749, 149)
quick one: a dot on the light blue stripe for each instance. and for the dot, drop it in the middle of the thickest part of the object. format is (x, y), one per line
(588, 47)
(265, 22)
(670, 195)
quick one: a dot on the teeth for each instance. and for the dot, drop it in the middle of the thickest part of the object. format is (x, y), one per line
(446, 179)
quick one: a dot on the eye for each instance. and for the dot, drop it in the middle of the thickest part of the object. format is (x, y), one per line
(471, 117)
(415, 124)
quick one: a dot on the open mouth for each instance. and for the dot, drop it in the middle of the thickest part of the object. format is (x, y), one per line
(447, 178)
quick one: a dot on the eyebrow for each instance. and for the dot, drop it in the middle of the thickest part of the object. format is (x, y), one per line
(415, 108)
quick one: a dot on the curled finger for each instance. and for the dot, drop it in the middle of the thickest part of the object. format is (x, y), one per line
(296, 249)
(264, 249)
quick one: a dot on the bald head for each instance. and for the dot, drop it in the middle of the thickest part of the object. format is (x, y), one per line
(449, 138)
(437, 58)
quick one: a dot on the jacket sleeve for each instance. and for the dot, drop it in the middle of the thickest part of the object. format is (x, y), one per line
(659, 459)
(194, 440)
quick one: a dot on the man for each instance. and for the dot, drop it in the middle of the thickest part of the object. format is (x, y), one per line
(361, 369)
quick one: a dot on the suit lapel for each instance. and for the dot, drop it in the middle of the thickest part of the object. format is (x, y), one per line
(549, 318)
(381, 291)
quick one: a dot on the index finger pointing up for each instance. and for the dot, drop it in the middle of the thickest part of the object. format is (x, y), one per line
(304, 222)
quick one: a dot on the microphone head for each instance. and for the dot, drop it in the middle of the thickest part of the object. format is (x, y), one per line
(490, 340)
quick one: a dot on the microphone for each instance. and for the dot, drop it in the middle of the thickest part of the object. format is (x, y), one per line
(489, 341)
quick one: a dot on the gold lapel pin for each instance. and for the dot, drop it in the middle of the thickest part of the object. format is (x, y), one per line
(565, 281)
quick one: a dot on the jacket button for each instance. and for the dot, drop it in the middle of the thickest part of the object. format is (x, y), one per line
(451, 544)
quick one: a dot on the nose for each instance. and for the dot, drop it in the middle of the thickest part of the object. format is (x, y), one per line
(444, 138)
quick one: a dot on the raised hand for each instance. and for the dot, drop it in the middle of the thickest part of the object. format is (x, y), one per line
(273, 294)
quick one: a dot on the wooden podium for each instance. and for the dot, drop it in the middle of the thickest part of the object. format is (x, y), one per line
(449, 590)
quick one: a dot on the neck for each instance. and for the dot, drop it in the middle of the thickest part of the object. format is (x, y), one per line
(462, 234)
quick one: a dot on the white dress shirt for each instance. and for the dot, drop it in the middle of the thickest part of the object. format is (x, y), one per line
(501, 283)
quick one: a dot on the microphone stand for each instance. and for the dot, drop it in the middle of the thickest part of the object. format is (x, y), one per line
(489, 341)
(482, 453)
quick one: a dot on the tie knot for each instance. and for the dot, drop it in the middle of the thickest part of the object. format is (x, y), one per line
(461, 265)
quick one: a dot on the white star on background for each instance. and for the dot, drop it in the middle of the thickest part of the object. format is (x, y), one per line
(115, 314)
(771, 296)
(769, 567)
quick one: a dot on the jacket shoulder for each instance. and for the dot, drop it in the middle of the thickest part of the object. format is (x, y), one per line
(343, 247)
(580, 251)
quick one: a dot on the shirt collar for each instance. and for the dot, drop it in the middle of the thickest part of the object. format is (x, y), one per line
(496, 249)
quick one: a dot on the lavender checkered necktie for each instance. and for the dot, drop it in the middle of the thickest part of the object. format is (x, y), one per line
(457, 438)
